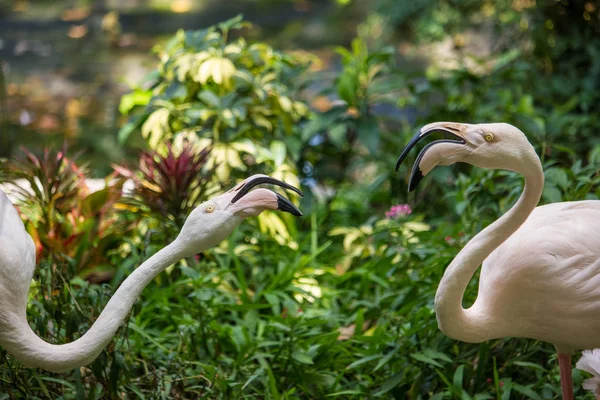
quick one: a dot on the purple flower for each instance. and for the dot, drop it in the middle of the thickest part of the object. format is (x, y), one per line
(400, 210)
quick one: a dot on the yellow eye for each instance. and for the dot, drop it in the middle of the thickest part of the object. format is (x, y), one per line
(210, 208)
(488, 137)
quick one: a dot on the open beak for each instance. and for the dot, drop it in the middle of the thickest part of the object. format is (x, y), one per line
(268, 198)
(452, 128)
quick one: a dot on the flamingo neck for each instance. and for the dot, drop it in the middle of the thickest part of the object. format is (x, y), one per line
(20, 340)
(472, 325)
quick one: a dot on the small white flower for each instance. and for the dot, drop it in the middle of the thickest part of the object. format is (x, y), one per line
(590, 362)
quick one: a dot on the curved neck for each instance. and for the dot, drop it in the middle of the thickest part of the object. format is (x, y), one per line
(18, 338)
(470, 325)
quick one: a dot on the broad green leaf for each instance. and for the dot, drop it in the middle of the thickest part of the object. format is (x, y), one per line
(551, 194)
(136, 98)
(223, 70)
(285, 103)
(557, 176)
(156, 127)
(210, 98)
(278, 151)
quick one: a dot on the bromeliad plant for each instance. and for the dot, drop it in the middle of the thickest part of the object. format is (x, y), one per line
(65, 219)
(168, 187)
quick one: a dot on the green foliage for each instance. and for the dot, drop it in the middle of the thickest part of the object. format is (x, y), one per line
(342, 305)
(350, 128)
(241, 100)
(214, 89)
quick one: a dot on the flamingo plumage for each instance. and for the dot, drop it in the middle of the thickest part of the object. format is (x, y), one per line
(540, 275)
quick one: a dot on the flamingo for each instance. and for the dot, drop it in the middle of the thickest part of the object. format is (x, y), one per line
(540, 277)
(206, 226)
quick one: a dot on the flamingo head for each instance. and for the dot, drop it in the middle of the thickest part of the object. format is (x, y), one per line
(492, 146)
(214, 220)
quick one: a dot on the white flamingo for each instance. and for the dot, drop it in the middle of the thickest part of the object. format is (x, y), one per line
(206, 226)
(540, 277)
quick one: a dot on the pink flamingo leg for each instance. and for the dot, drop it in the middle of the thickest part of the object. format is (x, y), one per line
(566, 379)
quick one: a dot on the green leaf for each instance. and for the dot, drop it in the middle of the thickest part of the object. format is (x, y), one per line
(301, 357)
(368, 134)
(347, 87)
(425, 359)
(337, 135)
(551, 194)
(344, 393)
(321, 122)
(45, 389)
(457, 380)
(210, 98)
(136, 98)
(258, 373)
(278, 150)
(236, 22)
(530, 365)
(557, 176)
(386, 358)
(527, 391)
(363, 360)
(59, 381)
(156, 126)
(280, 326)
(127, 129)
(430, 352)
(176, 90)
(390, 383)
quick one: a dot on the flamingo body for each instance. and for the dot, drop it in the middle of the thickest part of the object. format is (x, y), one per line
(543, 282)
(540, 274)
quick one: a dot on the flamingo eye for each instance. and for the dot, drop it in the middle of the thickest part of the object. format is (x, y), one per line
(488, 137)
(210, 208)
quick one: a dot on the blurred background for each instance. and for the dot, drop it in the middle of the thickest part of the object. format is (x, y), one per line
(65, 64)
(184, 98)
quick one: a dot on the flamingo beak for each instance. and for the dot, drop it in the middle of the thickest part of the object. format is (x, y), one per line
(452, 128)
(263, 197)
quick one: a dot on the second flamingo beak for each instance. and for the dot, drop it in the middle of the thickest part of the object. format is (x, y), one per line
(455, 129)
(251, 203)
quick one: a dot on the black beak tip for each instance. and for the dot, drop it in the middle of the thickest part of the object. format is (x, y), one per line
(415, 178)
(285, 205)
(408, 147)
